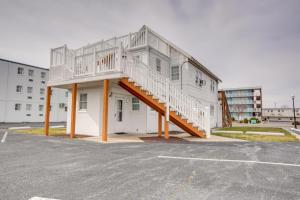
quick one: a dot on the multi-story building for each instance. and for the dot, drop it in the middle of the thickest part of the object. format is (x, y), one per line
(244, 102)
(22, 94)
(127, 83)
(280, 114)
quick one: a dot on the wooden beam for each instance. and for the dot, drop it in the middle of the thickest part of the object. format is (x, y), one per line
(166, 128)
(73, 111)
(159, 124)
(47, 114)
(105, 111)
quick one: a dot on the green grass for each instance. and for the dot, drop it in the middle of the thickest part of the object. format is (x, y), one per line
(255, 129)
(258, 138)
(40, 131)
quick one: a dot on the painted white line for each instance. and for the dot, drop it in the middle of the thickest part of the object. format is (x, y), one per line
(236, 161)
(41, 198)
(4, 137)
(20, 127)
(57, 126)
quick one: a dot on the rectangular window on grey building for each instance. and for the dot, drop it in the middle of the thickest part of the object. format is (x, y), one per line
(29, 90)
(20, 70)
(175, 73)
(83, 102)
(158, 65)
(17, 106)
(28, 107)
(41, 107)
(42, 91)
(30, 72)
(135, 103)
(19, 88)
(43, 74)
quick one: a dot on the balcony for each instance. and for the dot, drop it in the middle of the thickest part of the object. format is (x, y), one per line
(101, 60)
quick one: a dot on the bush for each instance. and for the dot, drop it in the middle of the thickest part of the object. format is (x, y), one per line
(254, 119)
(246, 121)
(241, 121)
(233, 119)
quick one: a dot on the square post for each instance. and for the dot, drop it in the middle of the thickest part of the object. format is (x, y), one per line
(105, 111)
(47, 114)
(73, 111)
(159, 124)
(166, 126)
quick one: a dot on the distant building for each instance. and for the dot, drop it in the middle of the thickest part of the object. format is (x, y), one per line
(280, 114)
(244, 102)
(22, 94)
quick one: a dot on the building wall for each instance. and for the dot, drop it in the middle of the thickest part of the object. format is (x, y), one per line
(9, 97)
(280, 114)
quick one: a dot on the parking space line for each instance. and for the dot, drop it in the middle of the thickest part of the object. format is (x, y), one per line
(4, 137)
(233, 161)
(41, 198)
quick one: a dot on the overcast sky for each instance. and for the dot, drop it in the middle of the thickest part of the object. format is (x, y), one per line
(245, 43)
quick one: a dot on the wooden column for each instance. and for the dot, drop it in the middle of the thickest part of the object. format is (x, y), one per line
(166, 128)
(47, 114)
(73, 111)
(159, 125)
(105, 111)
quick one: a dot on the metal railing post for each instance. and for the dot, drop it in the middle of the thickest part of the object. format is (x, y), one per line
(167, 99)
(207, 121)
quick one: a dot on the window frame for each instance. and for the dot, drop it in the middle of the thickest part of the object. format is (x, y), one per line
(83, 102)
(175, 76)
(18, 107)
(20, 70)
(21, 88)
(135, 106)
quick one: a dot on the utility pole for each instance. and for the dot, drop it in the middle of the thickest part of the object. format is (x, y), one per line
(295, 122)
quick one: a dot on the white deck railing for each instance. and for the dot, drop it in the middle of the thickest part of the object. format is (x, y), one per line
(111, 56)
(161, 88)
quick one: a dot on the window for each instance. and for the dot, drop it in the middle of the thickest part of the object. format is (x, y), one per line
(28, 115)
(41, 115)
(30, 80)
(43, 82)
(19, 88)
(42, 98)
(43, 74)
(66, 109)
(41, 108)
(29, 97)
(18, 106)
(61, 105)
(158, 65)
(66, 94)
(30, 72)
(28, 107)
(29, 90)
(196, 79)
(83, 102)
(135, 103)
(212, 85)
(20, 70)
(42, 91)
(174, 73)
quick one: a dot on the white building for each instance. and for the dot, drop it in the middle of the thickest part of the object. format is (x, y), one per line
(22, 94)
(162, 79)
(280, 114)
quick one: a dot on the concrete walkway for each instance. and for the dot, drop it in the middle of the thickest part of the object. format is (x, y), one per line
(139, 138)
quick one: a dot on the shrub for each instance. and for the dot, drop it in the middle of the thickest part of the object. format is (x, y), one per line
(297, 123)
(233, 119)
(246, 121)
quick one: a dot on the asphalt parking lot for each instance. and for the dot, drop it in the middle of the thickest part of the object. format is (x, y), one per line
(52, 167)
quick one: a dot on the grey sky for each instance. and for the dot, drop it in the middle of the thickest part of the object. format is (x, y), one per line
(245, 43)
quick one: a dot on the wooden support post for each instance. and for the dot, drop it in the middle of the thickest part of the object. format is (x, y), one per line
(159, 125)
(166, 128)
(105, 111)
(47, 114)
(73, 111)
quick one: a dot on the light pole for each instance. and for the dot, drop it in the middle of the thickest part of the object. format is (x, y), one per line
(181, 73)
(295, 122)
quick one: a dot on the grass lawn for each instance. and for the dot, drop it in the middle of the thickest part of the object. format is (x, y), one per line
(258, 138)
(40, 131)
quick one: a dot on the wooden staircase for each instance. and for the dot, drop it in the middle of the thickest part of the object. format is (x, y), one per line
(146, 97)
(226, 116)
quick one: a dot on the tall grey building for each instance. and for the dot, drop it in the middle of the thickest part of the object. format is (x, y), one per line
(22, 94)
(244, 102)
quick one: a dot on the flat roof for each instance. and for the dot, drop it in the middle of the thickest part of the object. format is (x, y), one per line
(242, 88)
(23, 64)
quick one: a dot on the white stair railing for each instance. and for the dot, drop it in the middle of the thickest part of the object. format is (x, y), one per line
(163, 90)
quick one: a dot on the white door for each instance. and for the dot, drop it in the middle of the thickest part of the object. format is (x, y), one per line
(119, 114)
